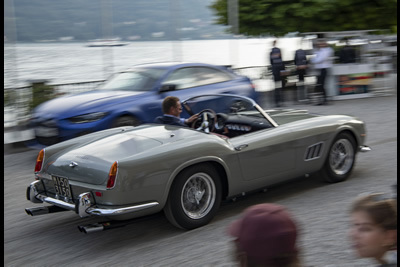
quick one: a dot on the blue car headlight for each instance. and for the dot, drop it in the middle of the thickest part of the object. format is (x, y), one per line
(90, 117)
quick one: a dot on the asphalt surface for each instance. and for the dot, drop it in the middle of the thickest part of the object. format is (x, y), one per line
(320, 209)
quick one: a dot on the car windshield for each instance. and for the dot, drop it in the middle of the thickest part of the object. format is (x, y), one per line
(227, 115)
(227, 104)
(138, 79)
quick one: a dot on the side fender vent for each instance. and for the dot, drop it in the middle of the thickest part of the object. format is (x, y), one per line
(313, 151)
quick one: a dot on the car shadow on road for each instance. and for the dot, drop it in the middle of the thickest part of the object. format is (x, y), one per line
(141, 227)
(273, 194)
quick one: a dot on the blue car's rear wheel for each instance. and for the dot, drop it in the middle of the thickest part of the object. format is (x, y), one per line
(194, 198)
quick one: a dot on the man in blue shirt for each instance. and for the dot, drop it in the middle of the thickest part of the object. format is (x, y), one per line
(172, 109)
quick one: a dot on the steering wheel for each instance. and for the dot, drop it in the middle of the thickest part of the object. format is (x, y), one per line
(205, 121)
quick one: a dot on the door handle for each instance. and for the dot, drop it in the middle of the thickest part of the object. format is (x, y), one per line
(239, 148)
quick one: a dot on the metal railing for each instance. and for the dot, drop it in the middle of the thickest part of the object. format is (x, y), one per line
(74, 88)
(24, 94)
(17, 101)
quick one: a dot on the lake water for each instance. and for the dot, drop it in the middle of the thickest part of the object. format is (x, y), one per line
(75, 62)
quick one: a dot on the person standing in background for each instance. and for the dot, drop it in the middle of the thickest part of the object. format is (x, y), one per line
(300, 60)
(278, 68)
(347, 54)
(322, 61)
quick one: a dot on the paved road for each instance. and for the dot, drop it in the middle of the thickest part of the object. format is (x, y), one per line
(320, 209)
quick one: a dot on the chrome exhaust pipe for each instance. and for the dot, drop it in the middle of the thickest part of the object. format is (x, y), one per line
(91, 228)
(101, 226)
(37, 211)
(43, 210)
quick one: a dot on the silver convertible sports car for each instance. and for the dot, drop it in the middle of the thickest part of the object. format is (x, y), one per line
(233, 148)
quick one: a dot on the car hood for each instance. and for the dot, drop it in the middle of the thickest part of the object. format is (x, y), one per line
(93, 160)
(78, 104)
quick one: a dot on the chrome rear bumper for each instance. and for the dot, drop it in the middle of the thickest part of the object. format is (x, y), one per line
(84, 206)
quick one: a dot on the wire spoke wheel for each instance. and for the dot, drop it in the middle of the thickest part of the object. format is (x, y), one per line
(341, 157)
(198, 196)
(195, 197)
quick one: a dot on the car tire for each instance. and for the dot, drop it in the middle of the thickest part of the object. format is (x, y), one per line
(340, 159)
(194, 198)
(125, 121)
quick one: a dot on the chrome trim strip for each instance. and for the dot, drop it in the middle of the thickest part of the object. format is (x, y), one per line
(112, 212)
(266, 115)
(57, 202)
(364, 149)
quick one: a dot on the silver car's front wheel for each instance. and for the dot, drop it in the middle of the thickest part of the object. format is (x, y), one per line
(341, 158)
(194, 197)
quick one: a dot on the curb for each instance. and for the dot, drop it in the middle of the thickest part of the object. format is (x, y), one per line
(17, 135)
(16, 147)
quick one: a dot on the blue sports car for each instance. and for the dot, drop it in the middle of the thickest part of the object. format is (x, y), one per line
(132, 97)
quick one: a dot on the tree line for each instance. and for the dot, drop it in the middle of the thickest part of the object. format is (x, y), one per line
(85, 20)
(279, 17)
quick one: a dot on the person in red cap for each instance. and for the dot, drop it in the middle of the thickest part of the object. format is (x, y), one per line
(265, 236)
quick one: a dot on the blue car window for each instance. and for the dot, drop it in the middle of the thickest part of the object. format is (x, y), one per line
(135, 80)
(182, 78)
(196, 76)
(208, 76)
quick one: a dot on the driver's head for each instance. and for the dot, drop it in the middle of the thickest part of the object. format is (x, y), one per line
(172, 106)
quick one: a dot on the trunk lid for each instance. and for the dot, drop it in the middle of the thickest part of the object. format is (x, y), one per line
(93, 160)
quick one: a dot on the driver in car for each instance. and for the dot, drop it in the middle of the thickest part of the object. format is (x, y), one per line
(172, 109)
